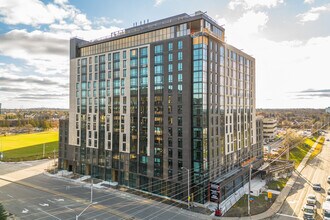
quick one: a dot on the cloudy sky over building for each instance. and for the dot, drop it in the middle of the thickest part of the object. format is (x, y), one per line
(289, 39)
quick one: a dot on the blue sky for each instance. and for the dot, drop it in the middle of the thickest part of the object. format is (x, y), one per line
(289, 39)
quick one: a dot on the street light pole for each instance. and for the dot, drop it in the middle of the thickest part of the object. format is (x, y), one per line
(92, 179)
(91, 201)
(54, 161)
(188, 185)
(92, 191)
(249, 208)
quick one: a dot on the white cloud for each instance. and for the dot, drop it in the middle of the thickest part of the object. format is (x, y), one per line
(309, 1)
(104, 21)
(95, 33)
(44, 51)
(19, 89)
(313, 14)
(252, 4)
(282, 68)
(35, 12)
(32, 12)
(250, 24)
(158, 2)
(60, 2)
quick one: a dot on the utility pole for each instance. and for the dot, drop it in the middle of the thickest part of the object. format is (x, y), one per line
(54, 160)
(250, 171)
(188, 185)
(1, 152)
(92, 179)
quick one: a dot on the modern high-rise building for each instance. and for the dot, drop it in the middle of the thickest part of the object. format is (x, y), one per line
(151, 102)
(269, 128)
(327, 110)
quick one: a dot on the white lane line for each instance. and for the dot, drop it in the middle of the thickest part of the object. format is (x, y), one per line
(69, 208)
(49, 214)
(289, 216)
(10, 196)
(292, 201)
(25, 211)
(27, 164)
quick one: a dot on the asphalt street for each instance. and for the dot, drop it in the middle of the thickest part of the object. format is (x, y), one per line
(48, 197)
(316, 171)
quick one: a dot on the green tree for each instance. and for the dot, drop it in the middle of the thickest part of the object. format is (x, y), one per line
(3, 215)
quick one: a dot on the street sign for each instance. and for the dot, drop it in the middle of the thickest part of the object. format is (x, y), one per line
(270, 195)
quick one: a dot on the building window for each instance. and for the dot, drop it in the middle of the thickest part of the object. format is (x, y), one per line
(180, 153)
(159, 49)
(170, 46)
(143, 52)
(170, 68)
(179, 88)
(180, 77)
(170, 152)
(170, 57)
(158, 59)
(170, 78)
(179, 121)
(133, 53)
(180, 132)
(158, 69)
(180, 45)
(179, 66)
(180, 55)
(179, 142)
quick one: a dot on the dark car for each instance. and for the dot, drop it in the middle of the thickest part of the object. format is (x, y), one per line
(317, 186)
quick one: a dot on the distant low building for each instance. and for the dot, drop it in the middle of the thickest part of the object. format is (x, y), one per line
(258, 151)
(327, 110)
(269, 128)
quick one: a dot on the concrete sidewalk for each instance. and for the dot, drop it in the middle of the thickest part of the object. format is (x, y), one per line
(281, 198)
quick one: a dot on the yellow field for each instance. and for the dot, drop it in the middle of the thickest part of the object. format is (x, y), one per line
(12, 142)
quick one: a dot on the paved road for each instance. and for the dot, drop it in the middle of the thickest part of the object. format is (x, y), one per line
(316, 171)
(45, 197)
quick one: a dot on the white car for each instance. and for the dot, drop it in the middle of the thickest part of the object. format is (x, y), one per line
(311, 199)
(309, 212)
(327, 199)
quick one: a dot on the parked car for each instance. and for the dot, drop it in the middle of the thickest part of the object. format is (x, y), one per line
(311, 199)
(327, 199)
(328, 180)
(317, 186)
(309, 212)
(328, 192)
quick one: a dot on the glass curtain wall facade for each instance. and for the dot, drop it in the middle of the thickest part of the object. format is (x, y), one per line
(159, 97)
